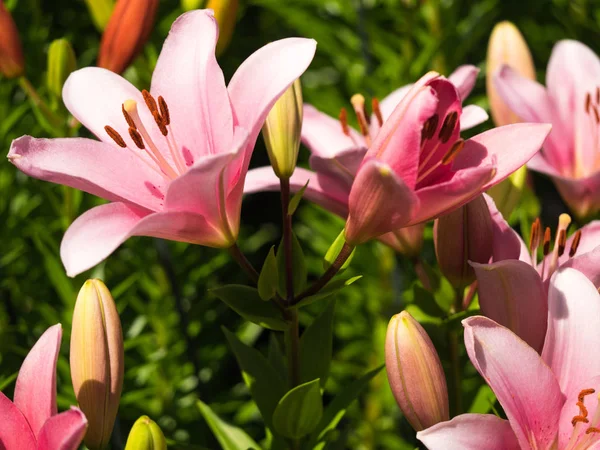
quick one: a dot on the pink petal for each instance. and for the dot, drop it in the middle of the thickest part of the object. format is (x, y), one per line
(190, 80)
(589, 241)
(107, 171)
(582, 195)
(393, 99)
(379, 202)
(322, 189)
(324, 136)
(588, 264)
(566, 431)
(539, 163)
(342, 166)
(443, 197)
(464, 78)
(35, 390)
(511, 146)
(524, 385)
(470, 432)
(399, 141)
(507, 244)
(15, 432)
(64, 431)
(512, 294)
(573, 323)
(472, 115)
(262, 78)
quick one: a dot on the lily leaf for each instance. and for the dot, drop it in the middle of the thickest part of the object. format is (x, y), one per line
(316, 346)
(269, 277)
(299, 411)
(229, 436)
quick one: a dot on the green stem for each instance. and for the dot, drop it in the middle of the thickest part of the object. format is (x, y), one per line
(38, 102)
(241, 259)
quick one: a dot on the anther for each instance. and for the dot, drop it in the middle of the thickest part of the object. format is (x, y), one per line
(128, 118)
(344, 121)
(377, 110)
(585, 392)
(597, 95)
(160, 123)
(588, 102)
(575, 243)
(596, 116)
(358, 102)
(448, 127)
(430, 126)
(137, 138)
(534, 237)
(453, 152)
(582, 409)
(150, 102)
(562, 240)
(592, 430)
(164, 110)
(577, 419)
(547, 237)
(115, 136)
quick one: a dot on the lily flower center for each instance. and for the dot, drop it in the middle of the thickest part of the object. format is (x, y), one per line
(582, 440)
(549, 265)
(143, 140)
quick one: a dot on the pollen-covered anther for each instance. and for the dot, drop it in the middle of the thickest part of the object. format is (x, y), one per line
(453, 152)
(588, 102)
(358, 103)
(377, 110)
(344, 121)
(150, 102)
(562, 240)
(592, 430)
(575, 244)
(578, 419)
(585, 392)
(448, 127)
(547, 236)
(534, 237)
(136, 138)
(127, 116)
(164, 111)
(115, 136)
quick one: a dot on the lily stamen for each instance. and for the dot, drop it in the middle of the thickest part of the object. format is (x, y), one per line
(358, 103)
(377, 110)
(575, 243)
(534, 241)
(115, 136)
(447, 159)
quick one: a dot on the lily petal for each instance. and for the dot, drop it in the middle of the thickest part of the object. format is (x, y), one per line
(189, 78)
(464, 78)
(507, 244)
(14, 430)
(106, 171)
(512, 294)
(524, 385)
(35, 390)
(588, 264)
(470, 432)
(472, 115)
(589, 241)
(262, 78)
(342, 166)
(573, 322)
(65, 431)
(582, 195)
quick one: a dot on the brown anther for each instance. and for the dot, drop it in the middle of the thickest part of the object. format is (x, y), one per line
(160, 123)
(596, 115)
(575, 243)
(597, 95)
(150, 102)
(358, 103)
(534, 237)
(579, 419)
(583, 412)
(128, 118)
(585, 392)
(164, 111)
(137, 138)
(588, 102)
(115, 136)
(547, 237)
(562, 240)
(430, 126)
(592, 430)
(448, 127)
(453, 152)
(377, 110)
(344, 121)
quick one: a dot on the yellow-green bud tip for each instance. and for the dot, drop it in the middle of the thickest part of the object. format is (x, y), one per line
(61, 62)
(145, 435)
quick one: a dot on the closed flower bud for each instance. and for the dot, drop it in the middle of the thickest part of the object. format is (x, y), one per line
(97, 360)
(188, 5)
(12, 64)
(415, 373)
(281, 131)
(100, 10)
(145, 435)
(226, 16)
(461, 236)
(126, 33)
(61, 62)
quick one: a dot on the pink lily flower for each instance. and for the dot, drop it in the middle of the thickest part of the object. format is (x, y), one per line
(570, 102)
(513, 290)
(173, 161)
(32, 422)
(551, 401)
(410, 166)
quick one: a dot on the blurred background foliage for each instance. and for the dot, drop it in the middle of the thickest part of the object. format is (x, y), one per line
(175, 349)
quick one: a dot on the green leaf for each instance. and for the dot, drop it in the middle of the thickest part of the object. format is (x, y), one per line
(337, 408)
(299, 411)
(334, 251)
(265, 385)
(295, 201)
(298, 267)
(230, 437)
(316, 346)
(331, 288)
(275, 356)
(269, 277)
(245, 301)
(484, 400)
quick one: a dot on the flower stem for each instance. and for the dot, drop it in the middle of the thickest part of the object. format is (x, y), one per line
(241, 259)
(38, 102)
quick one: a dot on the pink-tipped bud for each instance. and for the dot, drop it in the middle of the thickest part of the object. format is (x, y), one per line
(461, 236)
(226, 16)
(97, 360)
(126, 34)
(12, 64)
(415, 373)
(506, 46)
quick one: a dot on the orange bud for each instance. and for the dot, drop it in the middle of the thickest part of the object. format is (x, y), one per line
(12, 64)
(126, 33)
(226, 14)
(506, 46)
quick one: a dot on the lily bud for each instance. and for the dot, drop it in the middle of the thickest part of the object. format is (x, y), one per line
(188, 5)
(12, 64)
(465, 234)
(145, 435)
(61, 62)
(281, 131)
(97, 360)
(415, 373)
(126, 33)
(100, 10)
(226, 16)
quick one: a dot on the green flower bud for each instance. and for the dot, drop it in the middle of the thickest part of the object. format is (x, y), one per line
(226, 16)
(281, 131)
(61, 62)
(145, 435)
(188, 5)
(100, 10)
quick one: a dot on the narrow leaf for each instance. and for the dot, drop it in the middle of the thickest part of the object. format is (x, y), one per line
(229, 436)
(269, 277)
(298, 267)
(295, 201)
(331, 288)
(316, 347)
(334, 251)
(299, 411)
